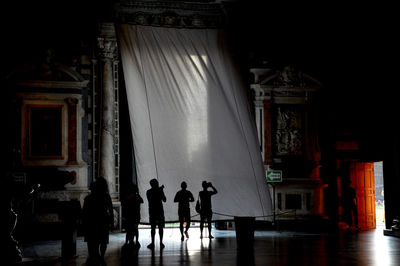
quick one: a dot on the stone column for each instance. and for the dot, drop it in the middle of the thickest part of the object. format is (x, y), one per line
(267, 132)
(107, 51)
(262, 106)
(72, 145)
(259, 117)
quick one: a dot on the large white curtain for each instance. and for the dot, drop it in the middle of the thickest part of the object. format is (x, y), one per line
(191, 119)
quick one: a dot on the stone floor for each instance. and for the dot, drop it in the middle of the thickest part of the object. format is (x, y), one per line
(270, 248)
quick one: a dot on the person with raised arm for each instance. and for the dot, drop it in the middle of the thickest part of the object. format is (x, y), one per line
(205, 207)
(156, 197)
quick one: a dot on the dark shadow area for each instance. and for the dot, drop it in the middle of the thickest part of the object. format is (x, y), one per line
(129, 254)
(245, 257)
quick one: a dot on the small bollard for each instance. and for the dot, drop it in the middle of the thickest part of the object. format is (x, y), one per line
(244, 227)
(69, 216)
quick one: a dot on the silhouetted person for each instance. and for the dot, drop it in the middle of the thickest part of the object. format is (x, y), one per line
(183, 197)
(206, 210)
(133, 201)
(97, 218)
(156, 197)
(351, 207)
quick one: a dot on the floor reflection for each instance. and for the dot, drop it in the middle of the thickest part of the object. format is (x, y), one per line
(383, 249)
(185, 257)
(269, 248)
(206, 251)
(130, 254)
(157, 259)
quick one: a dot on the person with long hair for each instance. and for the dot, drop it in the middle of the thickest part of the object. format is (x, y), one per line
(133, 201)
(97, 219)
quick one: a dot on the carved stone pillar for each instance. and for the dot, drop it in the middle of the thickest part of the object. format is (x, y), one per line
(107, 50)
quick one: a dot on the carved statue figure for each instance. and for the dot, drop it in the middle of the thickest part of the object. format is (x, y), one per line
(10, 245)
(289, 76)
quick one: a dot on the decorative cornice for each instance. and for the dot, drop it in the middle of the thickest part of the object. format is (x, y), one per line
(53, 84)
(170, 14)
(285, 86)
(288, 77)
(49, 76)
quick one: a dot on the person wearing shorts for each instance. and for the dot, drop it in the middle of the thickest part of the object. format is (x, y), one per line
(156, 197)
(183, 197)
(206, 210)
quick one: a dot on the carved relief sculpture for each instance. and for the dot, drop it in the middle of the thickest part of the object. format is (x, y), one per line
(288, 136)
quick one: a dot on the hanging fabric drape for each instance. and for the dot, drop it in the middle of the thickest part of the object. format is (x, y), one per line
(191, 120)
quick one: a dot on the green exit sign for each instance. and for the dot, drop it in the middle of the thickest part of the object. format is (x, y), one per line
(274, 175)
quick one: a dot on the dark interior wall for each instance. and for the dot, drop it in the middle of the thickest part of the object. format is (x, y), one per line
(33, 27)
(348, 48)
(65, 27)
(391, 175)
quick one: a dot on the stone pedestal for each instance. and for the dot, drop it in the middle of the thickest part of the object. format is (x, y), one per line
(390, 232)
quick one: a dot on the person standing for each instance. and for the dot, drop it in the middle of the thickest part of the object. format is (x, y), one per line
(353, 207)
(350, 207)
(97, 219)
(183, 197)
(205, 206)
(156, 197)
(133, 201)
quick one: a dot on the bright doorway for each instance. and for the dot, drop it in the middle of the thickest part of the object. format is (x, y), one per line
(379, 194)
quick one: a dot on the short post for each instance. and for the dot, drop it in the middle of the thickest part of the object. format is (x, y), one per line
(70, 211)
(244, 227)
(273, 193)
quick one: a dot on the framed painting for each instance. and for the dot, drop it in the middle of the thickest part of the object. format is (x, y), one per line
(44, 131)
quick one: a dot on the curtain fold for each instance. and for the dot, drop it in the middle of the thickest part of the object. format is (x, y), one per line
(191, 120)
